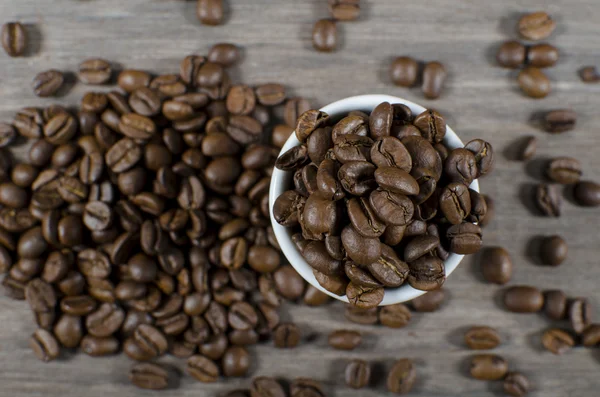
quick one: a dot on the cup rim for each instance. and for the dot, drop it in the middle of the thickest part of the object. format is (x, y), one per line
(281, 180)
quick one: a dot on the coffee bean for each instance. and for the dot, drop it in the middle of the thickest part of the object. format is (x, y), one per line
(14, 38)
(553, 250)
(523, 299)
(136, 126)
(210, 12)
(488, 367)
(516, 384)
(511, 54)
(564, 170)
(542, 55)
(344, 339)
(534, 83)
(305, 386)
(130, 80)
(7, 134)
(557, 341)
(434, 78)
(79, 305)
(388, 269)
(289, 283)
(536, 26)
(47, 83)
(324, 35)
(105, 321)
(482, 338)
(357, 374)
(202, 369)
(455, 202)
(580, 314)
(426, 273)
(99, 347)
(591, 336)
(364, 297)
(396, 180)
(12, 195)
(429, 302)
(123, 155)
(344, 10)
(286, 336)
(149, 376)
(496, 265)
(404, 71)
(44, 345)
(555, 304)
(270, 94)
(68, 330)
(587, 194)
(236, 361)
(395, 316)
(263, 386)
(548, 200)
(94, 71)
(225, 54)
(589, 74)
(402, 376)
(527, 148)
(484, 155)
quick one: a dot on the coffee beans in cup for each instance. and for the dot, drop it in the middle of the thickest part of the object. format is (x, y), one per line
(360, 183)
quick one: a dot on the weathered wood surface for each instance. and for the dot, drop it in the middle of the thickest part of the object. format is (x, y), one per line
(481, 101)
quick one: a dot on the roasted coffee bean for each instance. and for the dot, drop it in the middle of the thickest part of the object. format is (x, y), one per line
(363, 218)
(548, 200)
(464, 238)
(72, 284)
(293, 159)
(482, 338)
(523, 299)
(580, 314)
(210, 12)
(47, 83)
(388, 269)
(344, 10)
(202, 369)
(434, 78)
(225, 54)
(363, 251)
(94, 71)
(40, 296)
(308, 122)
(13, 196)
(128, 290)
(587, 194)
(511, 54)
(105, 321)
(553, 250)
(44, 345)
(396, 180)
(542, 55)
(429, 302)
(455, 202)
(404, 71)
(424, 156)
(149, 376)
(286, 336)
(390, 152)
(536, 26)
(357, 374)
(589, 74)
(7, 134)
(294, 107)
(394, 316)
(394, 208)
(14, 38)
(270, 94)
(236, 361)
(488, 367)
(362, 316)
(534, 83)
(289, 283)
(484, 155)
(263, 386)
(80, 305)
(99, 347)
(40, 153)
(402, 376)
(350, 125)
(363, 297)
(324, 35)
(420, 246)
(426, 273)
(94, 102)
(496, 265)
(527, 148)
(344, 339)
(68, 330)
(123, 155)
(555, 304)
(557, 341)
(591, 335)
(516, 384)
(305, 386)
(136, 126)
(130, 80)
(565, 170)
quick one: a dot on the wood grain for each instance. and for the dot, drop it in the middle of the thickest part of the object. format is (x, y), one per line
(481, 100)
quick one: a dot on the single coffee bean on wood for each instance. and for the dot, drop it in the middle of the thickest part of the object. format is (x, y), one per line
(564, 170)
(94, 71)
(516, 384)
(542, 55)
(553, 250)
(580, 314)
(14, 38)
(555, 304)
(536, 26)
(559, 120)
(47, 83)
(482, 338)
(324, 35)
(434, 78)
(587, 194)
(527, 148)
(429, 302)
(496, 265)
(149, 376)
(344, 339)
(591, 335)
(357, 374)
(210, 12)
(548, 199)
(402, 376)
(534, 83)
(344, 10)
(557, 341)
(404, 71)
(589, 74)
(511, 54)
(523, 299)
(488, 367)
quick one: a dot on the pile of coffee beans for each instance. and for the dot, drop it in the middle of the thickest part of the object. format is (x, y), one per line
(532, 58)
(407, 72)
(325, 32)
(379, 199)
(139, 222)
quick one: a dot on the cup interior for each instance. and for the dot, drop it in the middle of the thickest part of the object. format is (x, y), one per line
(282, 181)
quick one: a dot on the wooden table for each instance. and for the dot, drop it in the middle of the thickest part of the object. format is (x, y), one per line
(481, 100)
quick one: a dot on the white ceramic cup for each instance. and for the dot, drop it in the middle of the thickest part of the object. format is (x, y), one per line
(282, 181)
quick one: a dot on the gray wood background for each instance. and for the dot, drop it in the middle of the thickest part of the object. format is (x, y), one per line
(481, 100)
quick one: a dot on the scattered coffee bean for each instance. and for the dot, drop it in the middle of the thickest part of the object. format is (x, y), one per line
(516, 384)
(564, 170)
(589, 74)
(536, 26)
(429, 302)
(434, 78)
(357, 374)
(511, 54)
(210, 12)
(225, 54)
(402, 376)
(553, 250)
(95, 71)
(344, 10)
(527, 148)
(587, 194)
(47, 83)
(560, 120)
(404, 71)
(542, 55)
(523, 299)
(488, 367)
(580, 314)
(44, 345)
(345, 339)
(557, 341)
(149, 376)
(235, 361)
(555, 304)
(482, 338)
(548, 199)
(202, 369)
(14, 38)
(534, 83)
(324, 35)
(591, 335)
(395, 316)
(496, 265)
